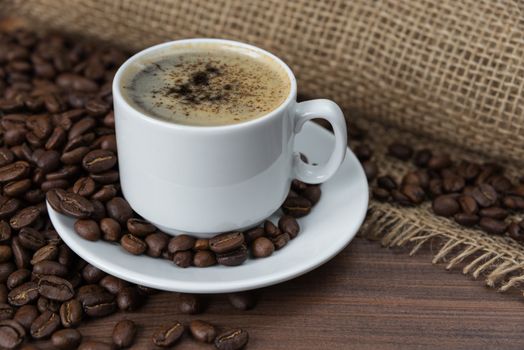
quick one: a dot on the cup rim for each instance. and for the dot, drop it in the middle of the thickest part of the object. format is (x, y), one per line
(117, 92)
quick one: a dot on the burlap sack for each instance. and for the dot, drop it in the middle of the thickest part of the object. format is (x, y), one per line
(447, 70)
(452, 70)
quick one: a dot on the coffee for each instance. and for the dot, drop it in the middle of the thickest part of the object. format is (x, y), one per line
(207, 85)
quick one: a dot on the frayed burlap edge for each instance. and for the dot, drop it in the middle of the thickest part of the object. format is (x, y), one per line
(497, 259)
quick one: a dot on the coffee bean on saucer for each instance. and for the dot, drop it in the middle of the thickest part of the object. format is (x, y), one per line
(183, 258)
(167, 336)
(288, 224)
(262, 247)
(280, 241)
(233, 258)
(44, 325)
(201, 244)
(298, 186)
(234, 339)
(296, 206)
(190, 303)
(242, 300)
(312, 193)
(204, 258)
(87, 229)
(252, 234)
(156, 243)
(180, 243)
(202, 331)
(226, 242)
(66, 339)
(133, 244)
(124, 333)
(139, 227)
(110, 229)
(270, 229)
(71, 313)
(12, 334)
(118, 209)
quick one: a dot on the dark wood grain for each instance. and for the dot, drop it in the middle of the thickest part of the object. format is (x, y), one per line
(367, 297)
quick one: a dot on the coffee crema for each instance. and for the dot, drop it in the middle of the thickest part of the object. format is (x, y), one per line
(207, 85)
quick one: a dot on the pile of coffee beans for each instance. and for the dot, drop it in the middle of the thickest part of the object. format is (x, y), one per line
(471, 194)
(57, 141)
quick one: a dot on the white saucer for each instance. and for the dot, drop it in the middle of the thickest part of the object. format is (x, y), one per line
(329, 227)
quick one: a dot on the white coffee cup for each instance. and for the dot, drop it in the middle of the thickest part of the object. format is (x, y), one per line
(210, 179)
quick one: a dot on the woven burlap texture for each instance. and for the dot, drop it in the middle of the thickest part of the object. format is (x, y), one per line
(450, 69)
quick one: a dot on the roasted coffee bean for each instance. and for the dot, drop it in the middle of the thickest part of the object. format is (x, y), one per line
(139, 227)
(516, 232)
(70, 204)
(296, 206)
(262, 247)
(128, 298)
(48, 161)
(387, 183)
(453, 183)
(202, 331)
(312, 193)
(414, 193)
(513, 202)
(106, 178)
(12, 334)
(422, 157)
(6, 312)
(288, 224)
(232, 340)
(54, 184)
(465, 219)
(190, 303)
(64, 173)
(417, 178)
(98, 161)
(167, 336)
(82, 126)
(55, 288)
(14, 137)
(439, 162)
(494, 213)
(113, 284)
(95, 345)
(23, 294)
(30, 238)
(118, 209)
(485, 195)
(96, 107)
(99, 304)
(380, 194)
(87, 291)
(6, 253)
(6, 269)
(108, 142)
(85, 186)
(400, 198)
(400, 151)
(66, 256)
(71, 313)
(8, 206)
(494, 226)
(111, 230)
(92, 274)
(250, 235)
(226, 242)
(47, 267)
(204, 258)
(44, 325)
(270, 230)
(298, 185)
(183, 258)
(17, 188)
(106, 193)
(500, 183)
(24, 217)
(3, 293)
(233, 258)
(242, 300)
(370, 169)
(280, 241)
(21, 255)
(17, 278)
(363, 152)
(517, 190)
(57, 138)
(6, 156)
(124, 333)
(47, 252)
(5, 231)
(180, 243)
(25, 315)
(133, 244)
(468, 204)
(66, 339)
(445, 205)
(74, 156)
(87, 229)
(156, 244)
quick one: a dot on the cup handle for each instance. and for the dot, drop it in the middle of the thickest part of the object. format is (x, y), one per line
(331, 112)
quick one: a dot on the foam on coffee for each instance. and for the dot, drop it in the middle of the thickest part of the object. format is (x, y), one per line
(207, 84)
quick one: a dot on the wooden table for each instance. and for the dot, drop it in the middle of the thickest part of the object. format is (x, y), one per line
(367, 297)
